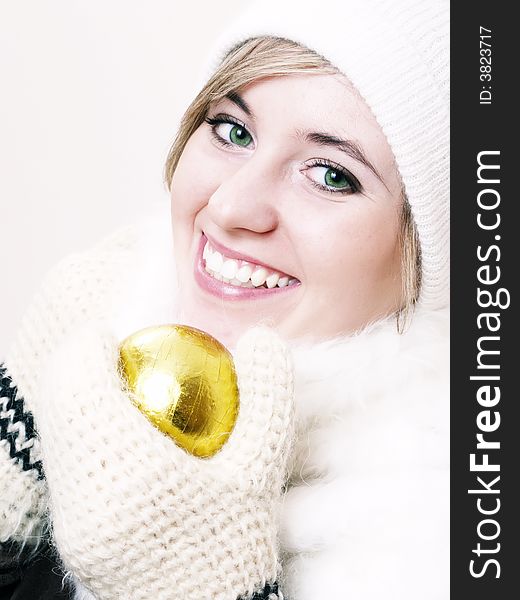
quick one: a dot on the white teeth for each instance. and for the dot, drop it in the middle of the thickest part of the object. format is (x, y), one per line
(229, 269)
(259, 276)
(247, 275)
(215, 261)
(244, 273)
(272, 280)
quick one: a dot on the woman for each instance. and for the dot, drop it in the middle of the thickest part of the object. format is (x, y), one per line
(309, 185)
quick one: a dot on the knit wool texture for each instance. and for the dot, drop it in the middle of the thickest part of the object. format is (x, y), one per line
(136, 517)
(22, 499)
(132, 515)
(396, 54)
(64, 300)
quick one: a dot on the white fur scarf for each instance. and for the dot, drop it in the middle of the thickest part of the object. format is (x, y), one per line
(366, 513)
(367, 516)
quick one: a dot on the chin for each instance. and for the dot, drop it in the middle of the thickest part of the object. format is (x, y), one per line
(222, 325)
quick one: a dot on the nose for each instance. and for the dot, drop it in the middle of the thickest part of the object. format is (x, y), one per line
(245, 199)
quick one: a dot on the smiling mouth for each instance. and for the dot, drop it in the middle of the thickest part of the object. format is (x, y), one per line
(242, 273)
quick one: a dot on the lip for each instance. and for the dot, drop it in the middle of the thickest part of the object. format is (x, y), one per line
(226, 290)
(229, 253)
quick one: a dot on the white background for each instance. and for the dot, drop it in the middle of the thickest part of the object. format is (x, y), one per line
(90, 97)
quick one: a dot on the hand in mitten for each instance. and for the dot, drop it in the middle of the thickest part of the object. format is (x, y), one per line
(136, 517)
(74, 291)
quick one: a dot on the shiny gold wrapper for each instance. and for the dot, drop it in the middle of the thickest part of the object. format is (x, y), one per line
(183, 380)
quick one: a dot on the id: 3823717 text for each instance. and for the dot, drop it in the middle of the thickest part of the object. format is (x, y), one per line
(485, 65)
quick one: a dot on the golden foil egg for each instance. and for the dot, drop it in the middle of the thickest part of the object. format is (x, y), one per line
(183, 380)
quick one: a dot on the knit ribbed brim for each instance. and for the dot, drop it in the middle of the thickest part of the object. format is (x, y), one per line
(396, 53)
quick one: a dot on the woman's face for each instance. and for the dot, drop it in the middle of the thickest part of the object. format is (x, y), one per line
(286, 210)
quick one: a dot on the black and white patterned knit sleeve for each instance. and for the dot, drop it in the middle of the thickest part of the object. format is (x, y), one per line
(271, 591)
(22, 485)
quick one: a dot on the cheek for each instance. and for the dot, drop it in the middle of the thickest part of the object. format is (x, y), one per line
(357, 255)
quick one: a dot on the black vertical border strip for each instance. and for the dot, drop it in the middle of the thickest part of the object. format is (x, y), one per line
(475, 128)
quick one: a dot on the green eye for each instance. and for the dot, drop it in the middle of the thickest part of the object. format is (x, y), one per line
(240, 136)
(336, 179)
(228, 132)
(331, 178)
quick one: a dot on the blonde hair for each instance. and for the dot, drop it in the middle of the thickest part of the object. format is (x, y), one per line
(275, 57)
(411, 267)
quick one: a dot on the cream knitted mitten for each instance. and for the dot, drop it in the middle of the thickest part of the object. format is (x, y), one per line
(136, 517)
(78, 289)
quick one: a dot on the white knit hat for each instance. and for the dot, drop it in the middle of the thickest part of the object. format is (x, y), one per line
(396, 53)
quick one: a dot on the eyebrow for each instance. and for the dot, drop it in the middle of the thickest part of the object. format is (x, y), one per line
(349, 147)
(240, 102)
